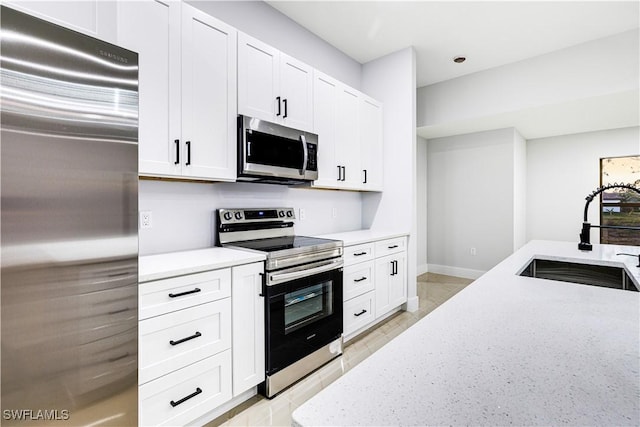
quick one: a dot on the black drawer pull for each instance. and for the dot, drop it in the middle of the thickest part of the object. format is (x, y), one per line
(184, 399)
(360, 279)
(360, 254)
(361, 313)
(392, 247)
(196, 335)
(195, 291)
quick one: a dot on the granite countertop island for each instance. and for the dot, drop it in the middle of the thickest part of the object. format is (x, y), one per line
(507, 350)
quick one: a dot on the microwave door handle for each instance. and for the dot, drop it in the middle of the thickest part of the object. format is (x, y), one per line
(305, 157)
(278, 277)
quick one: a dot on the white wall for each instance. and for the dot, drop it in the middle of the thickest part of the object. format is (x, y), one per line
(267, 24)
(183, 212)
(470, 183)
(605, 66)
(421, 205)
(519, 191)
(392, 80)
(561, 172)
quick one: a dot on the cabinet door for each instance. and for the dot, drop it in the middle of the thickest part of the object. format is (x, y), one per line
(371, 144)
(325, 95)
(258, 65)
(248, 327)
(208, 96)
(390, 280)
(347, 137)
(296, 91)
(158, 45)
(96, 18)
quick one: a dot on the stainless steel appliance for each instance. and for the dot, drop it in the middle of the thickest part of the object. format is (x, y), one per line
(302, 289)
(271, 153)
(69, 129)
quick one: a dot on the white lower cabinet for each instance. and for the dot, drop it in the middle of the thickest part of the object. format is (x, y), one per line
(188, 393)
(374, 282)
(201, 342)
(178, 339)
(358, 312)
(391, 283)
(248, 327)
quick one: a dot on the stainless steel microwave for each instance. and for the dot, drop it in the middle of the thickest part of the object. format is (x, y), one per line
(269, 152)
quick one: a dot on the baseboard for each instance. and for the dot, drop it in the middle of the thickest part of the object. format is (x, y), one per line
(466, 273)
(413, 304)
(424, 268)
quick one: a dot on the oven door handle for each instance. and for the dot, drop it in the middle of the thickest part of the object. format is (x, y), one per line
(280, 277)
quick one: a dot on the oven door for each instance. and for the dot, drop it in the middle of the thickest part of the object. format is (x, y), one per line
(302, 315)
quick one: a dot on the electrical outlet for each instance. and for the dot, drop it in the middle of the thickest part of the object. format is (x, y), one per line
(472, 251)
(334, 212)
(146, 219)
(302, 214)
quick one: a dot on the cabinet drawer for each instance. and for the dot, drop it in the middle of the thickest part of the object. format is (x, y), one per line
(358, 253)
(358, 312)
(391, 246)
(167, 295)
(177, 339)
(188, 393)
(358, 279)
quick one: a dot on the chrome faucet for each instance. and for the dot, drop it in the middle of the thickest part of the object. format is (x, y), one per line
(585, 238)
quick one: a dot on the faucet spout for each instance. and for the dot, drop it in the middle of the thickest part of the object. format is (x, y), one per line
(585, 234)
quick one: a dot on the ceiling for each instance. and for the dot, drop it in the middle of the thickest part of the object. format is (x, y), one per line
(487, 33)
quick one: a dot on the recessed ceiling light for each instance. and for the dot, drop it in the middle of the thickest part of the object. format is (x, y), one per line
(459, 59)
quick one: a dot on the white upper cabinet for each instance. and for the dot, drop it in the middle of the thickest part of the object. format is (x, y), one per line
(208, 96)
(349, 128)
(371, 147)
(187, 89)
(273, 86)
(325, 94)
(96, 18)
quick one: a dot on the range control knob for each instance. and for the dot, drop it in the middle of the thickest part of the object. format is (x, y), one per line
(238, 215)
(227, 216)
(281, 214)
(289, 214)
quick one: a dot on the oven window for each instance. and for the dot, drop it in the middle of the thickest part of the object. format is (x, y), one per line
(307, 305)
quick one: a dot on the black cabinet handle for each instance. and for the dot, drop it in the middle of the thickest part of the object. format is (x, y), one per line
(339, 173)
(196, 290)
(395, 267)
(360, 279)
(177, 142)
(188, 153)
(180, 341)
(361, 313)
(365, 176)
(392, 247)
(284, 101)
(279, 111)
(344, 172)
(360, 254)
(184, 399)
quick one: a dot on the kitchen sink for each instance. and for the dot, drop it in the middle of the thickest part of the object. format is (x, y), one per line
(585, 274)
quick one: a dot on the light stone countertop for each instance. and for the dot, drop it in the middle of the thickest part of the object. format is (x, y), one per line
(357, 237)
(155, 267)
(506, 350)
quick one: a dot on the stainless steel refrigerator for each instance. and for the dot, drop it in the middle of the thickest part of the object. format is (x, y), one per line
(69, 248)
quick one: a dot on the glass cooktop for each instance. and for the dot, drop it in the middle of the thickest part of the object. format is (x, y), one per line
(282, 243)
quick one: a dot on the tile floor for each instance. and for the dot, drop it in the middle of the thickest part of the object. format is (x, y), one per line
(433, 290)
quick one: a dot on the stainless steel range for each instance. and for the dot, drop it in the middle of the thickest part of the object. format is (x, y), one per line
(302, 289)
